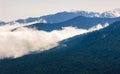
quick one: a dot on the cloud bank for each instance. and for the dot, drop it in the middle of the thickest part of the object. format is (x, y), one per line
(26, 40)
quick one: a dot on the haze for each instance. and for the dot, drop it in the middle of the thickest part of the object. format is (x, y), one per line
(16, 9)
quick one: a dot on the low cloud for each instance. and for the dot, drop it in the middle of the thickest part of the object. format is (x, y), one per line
(26, 40)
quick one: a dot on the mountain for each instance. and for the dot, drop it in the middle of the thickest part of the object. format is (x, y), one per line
(93, 53)
(30, 20)
(111, 14)
(64, 16)
(27, 21)
(24, 21)
(79, 22)
(54, 18)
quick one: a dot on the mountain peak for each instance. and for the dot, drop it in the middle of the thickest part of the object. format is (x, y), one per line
(66, 15)
(111, 13)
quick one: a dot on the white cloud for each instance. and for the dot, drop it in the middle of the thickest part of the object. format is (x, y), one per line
(97, 27)
(26, 40)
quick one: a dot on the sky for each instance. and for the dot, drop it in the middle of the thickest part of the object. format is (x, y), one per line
(18, 9)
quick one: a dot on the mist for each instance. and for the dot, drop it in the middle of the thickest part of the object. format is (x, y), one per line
(27, 40)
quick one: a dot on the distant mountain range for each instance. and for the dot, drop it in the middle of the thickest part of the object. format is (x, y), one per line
(93, 53)
(64, 16)
(79, 22)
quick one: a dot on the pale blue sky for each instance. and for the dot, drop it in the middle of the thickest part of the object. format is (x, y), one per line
(14, 9)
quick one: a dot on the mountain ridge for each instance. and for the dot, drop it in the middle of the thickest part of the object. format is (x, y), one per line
(79, 22)
(64, 16)
(93, 53)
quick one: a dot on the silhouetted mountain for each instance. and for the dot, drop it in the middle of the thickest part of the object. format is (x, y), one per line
(79, 22)
(93, 53)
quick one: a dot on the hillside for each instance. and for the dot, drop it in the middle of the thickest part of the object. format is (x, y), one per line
(94, 53)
